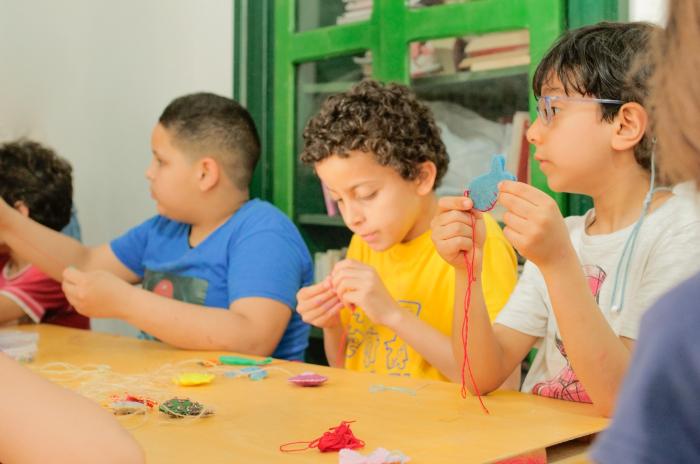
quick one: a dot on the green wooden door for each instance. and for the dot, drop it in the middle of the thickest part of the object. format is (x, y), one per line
(272, 47)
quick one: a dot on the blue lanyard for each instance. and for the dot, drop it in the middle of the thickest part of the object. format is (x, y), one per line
(628, 249)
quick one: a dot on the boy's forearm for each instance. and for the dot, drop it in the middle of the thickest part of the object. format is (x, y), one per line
(485, 354)
(190, 326)
(47, 249)
(332, 337)
(597, 355)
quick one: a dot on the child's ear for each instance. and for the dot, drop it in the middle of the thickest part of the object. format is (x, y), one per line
(22, 208)
(208, 172)
(426, 177)
(631, 125)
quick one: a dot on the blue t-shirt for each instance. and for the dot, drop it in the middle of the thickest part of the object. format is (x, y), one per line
(257, 252)
(657, 419)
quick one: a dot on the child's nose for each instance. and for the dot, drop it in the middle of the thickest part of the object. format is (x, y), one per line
(149, 172)
(534, 132)
(353, 215)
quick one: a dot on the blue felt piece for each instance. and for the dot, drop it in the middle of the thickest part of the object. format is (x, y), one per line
(483, 190)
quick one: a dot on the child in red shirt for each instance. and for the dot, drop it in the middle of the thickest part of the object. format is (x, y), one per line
(38, 184)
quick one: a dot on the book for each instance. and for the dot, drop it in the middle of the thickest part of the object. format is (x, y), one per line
(496, 41)
(496, 61)
(325, 261)
(518, 156)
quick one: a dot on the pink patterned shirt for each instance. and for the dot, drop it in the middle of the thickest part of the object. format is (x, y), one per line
(39, 296)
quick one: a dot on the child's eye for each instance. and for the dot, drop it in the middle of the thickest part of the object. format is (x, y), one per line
(368, 197)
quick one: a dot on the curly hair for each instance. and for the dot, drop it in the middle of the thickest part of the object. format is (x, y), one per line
(604, 60)
(36, 176)
(386, 121)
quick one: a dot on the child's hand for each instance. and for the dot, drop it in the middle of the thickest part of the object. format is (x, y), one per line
(452, 231)
(533, 223)
(357, 284)
(96, 293)
(319, 305)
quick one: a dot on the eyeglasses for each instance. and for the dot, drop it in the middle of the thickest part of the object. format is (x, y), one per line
(546, 112)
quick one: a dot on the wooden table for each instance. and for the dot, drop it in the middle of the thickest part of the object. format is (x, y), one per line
(253, 418)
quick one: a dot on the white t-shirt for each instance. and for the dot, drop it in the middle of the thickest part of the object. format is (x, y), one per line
(666, 253)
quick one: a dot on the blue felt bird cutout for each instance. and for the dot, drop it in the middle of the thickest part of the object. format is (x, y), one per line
(483, 190)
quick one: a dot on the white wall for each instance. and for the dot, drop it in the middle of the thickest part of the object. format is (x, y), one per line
(648, 10)
(91, 77)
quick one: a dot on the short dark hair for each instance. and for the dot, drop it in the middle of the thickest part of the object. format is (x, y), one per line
(207, 123)
(386, 121)
(36, 176)
(604, 60)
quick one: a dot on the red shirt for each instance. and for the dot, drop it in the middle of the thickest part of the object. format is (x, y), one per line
(39, 296)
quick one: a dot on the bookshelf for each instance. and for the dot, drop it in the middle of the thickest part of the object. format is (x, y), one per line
(296, 55)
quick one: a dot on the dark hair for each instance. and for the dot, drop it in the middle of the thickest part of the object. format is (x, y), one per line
(386, 121)
(35, 175)
(604, 60)
(204, 123)
(675, 93)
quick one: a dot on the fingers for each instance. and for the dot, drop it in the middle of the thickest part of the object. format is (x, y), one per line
(514, 237)
(515, 222)
(348, 268)
(312, 291)
(317, 301)
(332, 313)
(524, 191)
(347, 264)
(457, 245)
(454, 203)
(314, 315)
(318, 304)
(517, 205)
(73, 275)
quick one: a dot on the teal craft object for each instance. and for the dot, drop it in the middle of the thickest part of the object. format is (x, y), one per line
(240, 361)
(483, 190)
(252, 372)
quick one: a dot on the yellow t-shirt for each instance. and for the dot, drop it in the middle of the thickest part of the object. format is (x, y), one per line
(422, 282)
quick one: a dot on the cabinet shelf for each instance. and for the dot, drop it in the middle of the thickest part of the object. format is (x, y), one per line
(427, 82)
(320, 220)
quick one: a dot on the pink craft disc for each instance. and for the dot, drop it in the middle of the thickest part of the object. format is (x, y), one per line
(308, 379)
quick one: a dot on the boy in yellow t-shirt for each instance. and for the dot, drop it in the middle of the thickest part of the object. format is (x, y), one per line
(378, 151)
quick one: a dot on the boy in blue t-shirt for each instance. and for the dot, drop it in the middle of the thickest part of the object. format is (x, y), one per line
(210, 248)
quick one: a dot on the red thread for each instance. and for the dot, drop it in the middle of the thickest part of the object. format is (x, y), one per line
(466, 365)
(335, 439)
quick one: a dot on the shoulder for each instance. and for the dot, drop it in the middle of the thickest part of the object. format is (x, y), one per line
(159, 223)
(576, 223)
(161, 226)
(678, 211)
(261, 215)
(260, 224)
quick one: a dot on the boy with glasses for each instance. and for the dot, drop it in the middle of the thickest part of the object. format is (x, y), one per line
(588, 279)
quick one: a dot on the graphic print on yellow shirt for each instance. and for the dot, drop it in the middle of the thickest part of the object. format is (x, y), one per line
(422, 283)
